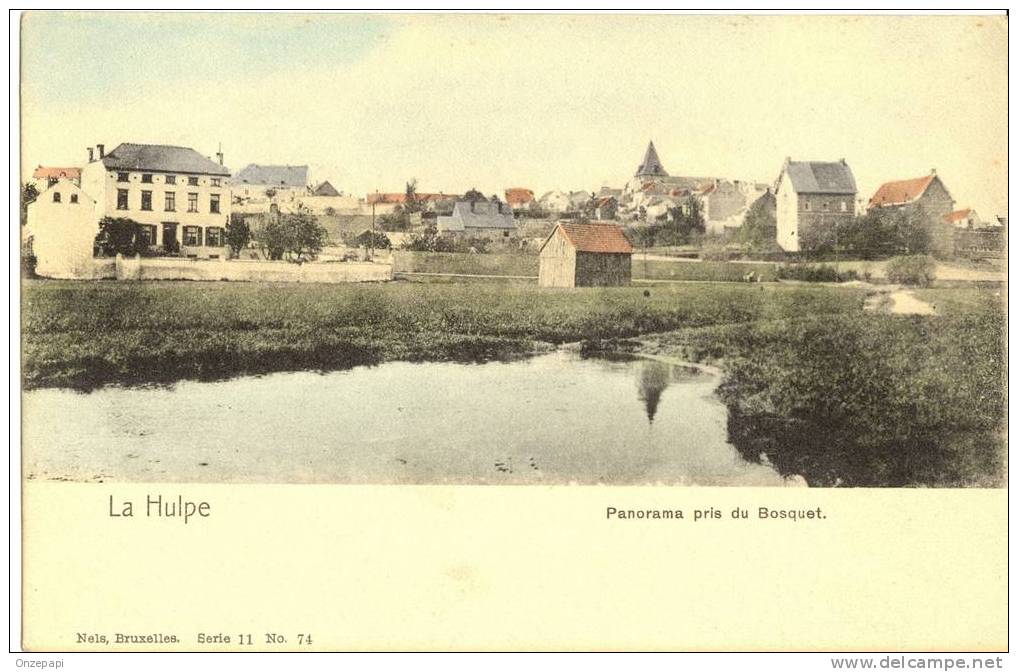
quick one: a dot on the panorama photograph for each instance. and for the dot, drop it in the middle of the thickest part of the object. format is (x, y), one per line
(514, 249)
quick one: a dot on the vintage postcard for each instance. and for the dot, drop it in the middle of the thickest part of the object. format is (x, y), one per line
(513, 331)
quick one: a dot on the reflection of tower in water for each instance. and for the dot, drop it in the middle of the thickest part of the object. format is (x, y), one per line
(654, 377)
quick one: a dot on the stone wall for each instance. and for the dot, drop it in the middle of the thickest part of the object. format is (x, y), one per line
(236, 270)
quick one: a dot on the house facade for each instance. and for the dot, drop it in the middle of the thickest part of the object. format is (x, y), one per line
(966, 218)
(63, 222)
(809, 194)
(586, 255)
(519, 198)
(479, 218)
(270, 183)
(181, 199)
(926, 196)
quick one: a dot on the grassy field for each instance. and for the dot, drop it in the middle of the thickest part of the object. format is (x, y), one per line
(867, 399)
(87, 334)
(813, 384)
(527, 265)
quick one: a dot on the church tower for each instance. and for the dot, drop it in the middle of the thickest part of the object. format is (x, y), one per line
(651, 166)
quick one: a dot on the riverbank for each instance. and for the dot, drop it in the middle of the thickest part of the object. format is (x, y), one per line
(867, 400)
(88, 334)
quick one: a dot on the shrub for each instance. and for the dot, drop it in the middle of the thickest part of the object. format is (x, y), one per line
(916, 269)
(809, 273)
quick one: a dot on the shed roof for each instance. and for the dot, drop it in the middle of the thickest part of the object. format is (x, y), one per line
(596, 237)
(958, 215)
(164, 158)
(820, 177)
(325, 189)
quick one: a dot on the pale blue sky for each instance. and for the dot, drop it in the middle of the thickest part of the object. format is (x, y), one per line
(537, 101)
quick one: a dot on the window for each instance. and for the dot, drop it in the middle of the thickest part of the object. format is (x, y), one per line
(192, 181)
(51, 181)
(122, 177)
(171, 201)
(807, 206)
(214, 203)
(147, 234)
(170, 179)
(825, 206)
(56, 196)
(121, 199)
(217, 182)
(74, 198)
(146, 200)
(192, 236)
(214, 236)
(192, 202)
(505, 234)
(844, 206)
(146, 178)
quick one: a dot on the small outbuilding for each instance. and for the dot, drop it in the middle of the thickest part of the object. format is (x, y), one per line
(586, 255)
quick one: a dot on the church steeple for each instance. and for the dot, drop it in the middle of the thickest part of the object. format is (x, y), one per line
(651, 166)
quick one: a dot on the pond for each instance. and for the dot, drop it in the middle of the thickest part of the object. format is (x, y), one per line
(554, 419)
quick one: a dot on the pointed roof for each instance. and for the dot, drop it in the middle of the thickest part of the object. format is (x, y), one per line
(594, 237)
(900, 192)
(651, 165)
(325, 189)
(56, 173)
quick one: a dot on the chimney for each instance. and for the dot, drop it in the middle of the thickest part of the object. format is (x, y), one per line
(842, 161)
(933, 171)
(91, 155)
(471, 205)
(219, 154)
(102, 150)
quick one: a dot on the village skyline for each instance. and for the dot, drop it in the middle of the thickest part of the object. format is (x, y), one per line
(370, 102)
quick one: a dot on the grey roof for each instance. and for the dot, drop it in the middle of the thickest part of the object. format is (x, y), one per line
(651, 165)
(483, 215)
(162, 158)
(820, 177)
(274, 176)
(325, 189)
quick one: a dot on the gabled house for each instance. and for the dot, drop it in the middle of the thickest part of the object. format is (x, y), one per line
(478, 218)
(63, 222)
(181, 199)
(964, 219)
(519, 198)
(277, 183)
(926, 195)
(44, 177)
(810, 194)
(586, 255)
(554, 201)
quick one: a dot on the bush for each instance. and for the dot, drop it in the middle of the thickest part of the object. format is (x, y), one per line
(809, 273)
(916, 269)
(713, 250)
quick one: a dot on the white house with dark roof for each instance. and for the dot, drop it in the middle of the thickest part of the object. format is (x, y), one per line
(181, 198)
(63, 222)
(284, 183)
(812, 193)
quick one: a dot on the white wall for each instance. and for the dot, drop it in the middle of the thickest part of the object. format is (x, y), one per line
(63, 234)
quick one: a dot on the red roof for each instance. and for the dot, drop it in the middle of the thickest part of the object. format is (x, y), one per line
(902, 191)
(958, 215)
(518, 196)
(379, 198)
(48, 172)
(597, 237)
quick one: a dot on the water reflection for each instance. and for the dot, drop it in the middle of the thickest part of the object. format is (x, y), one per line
(654, 378)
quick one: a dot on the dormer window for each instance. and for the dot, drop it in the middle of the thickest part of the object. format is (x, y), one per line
(123, 177)
(146, 178)
(217, 182)
(192, 181)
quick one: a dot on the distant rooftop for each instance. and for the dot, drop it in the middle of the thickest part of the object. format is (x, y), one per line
(272, 176)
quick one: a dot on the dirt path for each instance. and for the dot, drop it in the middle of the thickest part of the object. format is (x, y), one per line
(898, 301)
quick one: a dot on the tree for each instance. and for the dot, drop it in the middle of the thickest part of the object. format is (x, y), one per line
(238, 233)
(474, 196)
(296, 234)
(118, 235)
(412, 204)
(375, 240)
(29, 193)
(759, 228)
